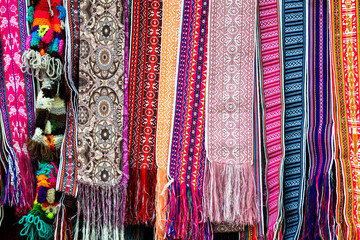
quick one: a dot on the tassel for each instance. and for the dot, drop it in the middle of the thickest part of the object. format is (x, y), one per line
(26, 182)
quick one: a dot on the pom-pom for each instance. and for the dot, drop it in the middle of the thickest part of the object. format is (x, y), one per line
(62, 12)
(48, 36)
(42, 194)
(28, 42)
(61, 47)
(51, 195)
(30, 16)
(48, 127)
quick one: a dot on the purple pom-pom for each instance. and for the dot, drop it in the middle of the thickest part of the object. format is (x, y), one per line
(42, 194)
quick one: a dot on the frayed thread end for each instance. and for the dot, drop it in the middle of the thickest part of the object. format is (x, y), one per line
(102, 210)
(141, 194)
(185, 214)
(231, 195)
(161, 196)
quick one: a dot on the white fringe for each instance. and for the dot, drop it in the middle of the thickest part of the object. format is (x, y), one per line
(41, 66)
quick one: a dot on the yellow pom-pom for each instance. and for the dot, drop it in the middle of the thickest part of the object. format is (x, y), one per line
(50, 215)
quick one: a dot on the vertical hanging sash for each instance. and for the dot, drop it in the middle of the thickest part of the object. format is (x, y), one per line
(271, 87)
(319, 209)
(344, 40)
(230, 183)
(293, 22)
(4, 152)
(143, 97)
(169, 49)
(187, 157)
(258, 230)
(102, 159)
(67, 176)
(17, 104)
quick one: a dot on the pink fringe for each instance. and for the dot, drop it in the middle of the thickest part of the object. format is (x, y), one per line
(185, 214)
(275, 232)
(231, 195)
(27, 184)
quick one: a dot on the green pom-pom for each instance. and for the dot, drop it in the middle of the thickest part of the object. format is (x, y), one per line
(53, 127)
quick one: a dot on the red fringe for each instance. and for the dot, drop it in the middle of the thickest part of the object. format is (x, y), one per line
(140, 205)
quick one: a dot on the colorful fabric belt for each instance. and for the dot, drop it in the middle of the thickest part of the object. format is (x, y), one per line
(102, 160)
(17, 107)
(344, 60)
(143, 101)
(169, 48)
(67, 177)
(293, 48)
(230, 186)
(187, 157)
(319, 207)
(271, 85)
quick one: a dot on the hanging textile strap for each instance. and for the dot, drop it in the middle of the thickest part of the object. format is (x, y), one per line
(344, 62)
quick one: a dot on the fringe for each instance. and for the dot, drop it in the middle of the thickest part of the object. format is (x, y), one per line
(1, 214)
(185, 214)
(41, 67)
(40, 151)
(161, 197)
(27, 183)
(231, 195)
(36, 227)
(18, 185)
(275, 232)
(319, 206)
(103, 211)
(63, 224)
(141, 194)
(12, 193)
